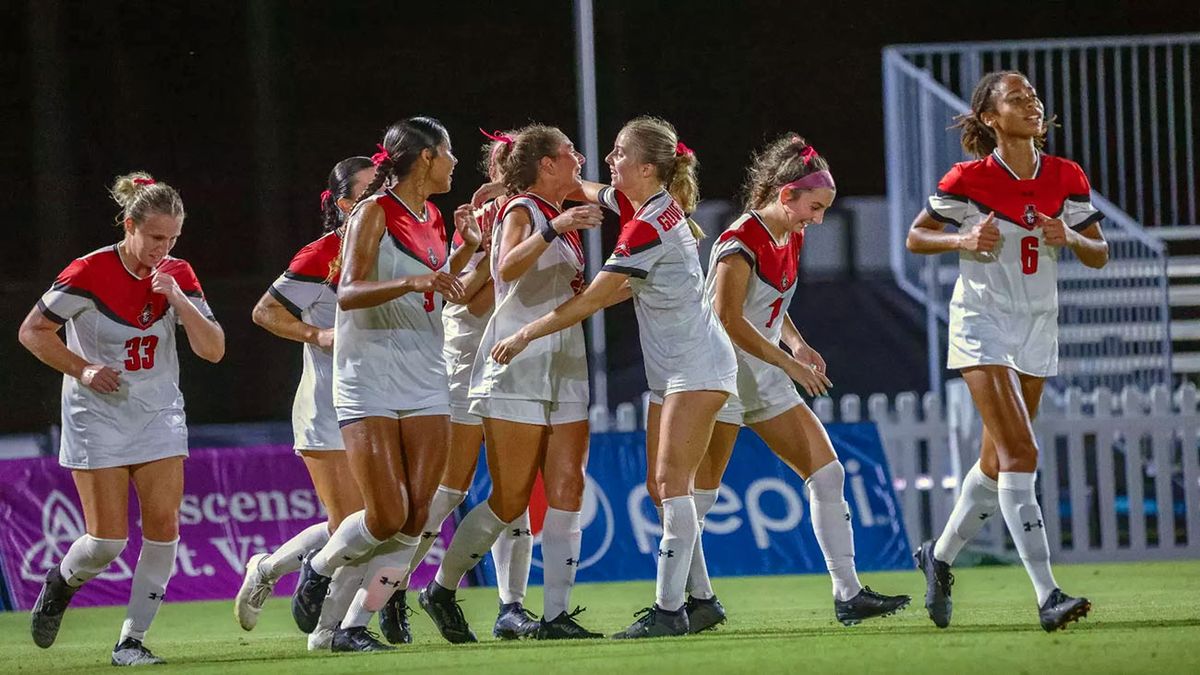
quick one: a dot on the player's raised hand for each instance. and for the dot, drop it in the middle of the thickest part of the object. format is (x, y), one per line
(984, 237)
(439, 282)
(101, 379)
(165, 284)
(1054, 230)
(578, 218)
(487, 191)
(467, 227)
(508, 348)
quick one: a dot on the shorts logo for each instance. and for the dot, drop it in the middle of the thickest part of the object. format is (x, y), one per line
(1031, 215)
(61, 525)
(433, 258)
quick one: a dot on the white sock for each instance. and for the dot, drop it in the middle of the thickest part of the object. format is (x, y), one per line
(513, 554)
(1023, 517)
(150, 579)
(675, 551)
(351, 541)
(698, 584)
(977, 501)
(445, 500)
(342, 589)
(290, 555)
(561, 539)
(474, 536)
(88, 557)
(385, 574)
(831, 524)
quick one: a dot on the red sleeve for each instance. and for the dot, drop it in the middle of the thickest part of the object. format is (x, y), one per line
(953, 183)
(184, 276)
(636, 235)
(1074, 181)
(311, 263)
(73, 275)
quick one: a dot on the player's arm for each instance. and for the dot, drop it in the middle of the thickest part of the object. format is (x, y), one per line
(472, 236)
(279, 320)
(1088, 244)
(205, 335)
(623, 293)
(484, 299)
(39, 334)
(589, 192)
(360, 252)
(801, 350)
(475, 281)
(594, 298)
(927, 236)
(520, 246)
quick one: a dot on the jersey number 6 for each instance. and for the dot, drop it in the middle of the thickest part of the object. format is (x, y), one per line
(1029, 255)
(140, 352)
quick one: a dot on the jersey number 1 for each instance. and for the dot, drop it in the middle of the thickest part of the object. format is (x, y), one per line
(776, 307)
(140, 352)
(1029, 255)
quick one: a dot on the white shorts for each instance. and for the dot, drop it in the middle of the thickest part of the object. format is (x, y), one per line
(461, 414)
(542, 413)
(351, 414)
(725, 384)
(1027, 343)
(325, 436)
(164, 436)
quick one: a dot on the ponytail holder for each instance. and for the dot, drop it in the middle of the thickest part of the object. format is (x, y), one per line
(498, 136)
(808, 154)
(380, 157)
(325, 197)
(681, 149)
(144, 181)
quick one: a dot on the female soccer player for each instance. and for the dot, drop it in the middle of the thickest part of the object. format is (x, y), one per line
(1004, 318)
(300, 306)
(535, 409)
(689, 360)
(122, 411)
(751, 280)
(389, 376)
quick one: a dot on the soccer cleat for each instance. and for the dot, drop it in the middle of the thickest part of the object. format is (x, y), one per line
(938, 581)
(867, 605)
(1061, 609)
(565, 627)
(47, 614)
(654, 622)
(320, 639)
(393, 620)
(309, 596)
(441, 606)
(704, 614)
(131, 652)
(514, 621)
(357, 639)
(253, 594)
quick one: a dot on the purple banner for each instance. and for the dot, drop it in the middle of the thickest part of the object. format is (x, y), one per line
(236, 502)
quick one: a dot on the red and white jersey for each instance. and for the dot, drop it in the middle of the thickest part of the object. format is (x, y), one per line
(463, 329)
(113, 318)
(684, 347)
(553, 367)
(1021, 275)
(390, 356)
(304, 289)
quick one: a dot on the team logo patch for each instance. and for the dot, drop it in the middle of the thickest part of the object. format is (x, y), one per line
(433, 258)
(785, 280)
(1031, 215)
(622, 250)
(146, 315)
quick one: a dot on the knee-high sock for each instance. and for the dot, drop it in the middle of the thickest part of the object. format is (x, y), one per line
(445, 500)
(345, 585)
(561, 539)
(88, 557)
(474, 536)
(675, 551)
(831, 524)
(698, 583)
(977, 501)
(513, 553)
(150, 579)
(385, 574)
(290, 555)
(1023, 517)
(351, 541)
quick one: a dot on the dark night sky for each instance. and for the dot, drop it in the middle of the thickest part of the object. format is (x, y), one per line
(245, 106)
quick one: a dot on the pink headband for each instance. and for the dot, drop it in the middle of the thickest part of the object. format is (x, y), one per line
(497, 136)
(681, 149)
(813, 181)
(143, 181)
(325, 197)
(381, 156)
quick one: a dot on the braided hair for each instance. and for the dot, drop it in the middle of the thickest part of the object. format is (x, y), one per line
(341, 180)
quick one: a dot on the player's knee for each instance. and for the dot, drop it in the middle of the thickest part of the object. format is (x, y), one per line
(102, 552)
(385, 521)
(826, 484)
(508, 509)
(160, 526)
(566, 492)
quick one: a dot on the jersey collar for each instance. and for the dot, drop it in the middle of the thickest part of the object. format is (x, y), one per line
(1037, 165)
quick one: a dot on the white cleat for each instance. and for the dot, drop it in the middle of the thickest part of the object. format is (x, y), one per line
(252, 595)
(320, 639)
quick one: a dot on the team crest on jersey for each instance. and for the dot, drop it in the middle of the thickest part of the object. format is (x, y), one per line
(146, 315)
(785, 280)
(433, 259)
(622, 249)
(1031, 215)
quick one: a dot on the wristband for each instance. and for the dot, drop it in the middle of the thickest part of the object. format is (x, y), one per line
(548, 232)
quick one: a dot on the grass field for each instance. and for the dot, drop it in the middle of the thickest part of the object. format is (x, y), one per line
(1145, 618)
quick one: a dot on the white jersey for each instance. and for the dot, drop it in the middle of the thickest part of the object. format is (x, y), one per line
(552, 368)
(463, 329)
(775, 266)
(1004, 310)
(389, 357)
(304, 290)
(113, 318)
(684, 347)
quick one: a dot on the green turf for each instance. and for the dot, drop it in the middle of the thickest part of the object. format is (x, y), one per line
(1145, 618)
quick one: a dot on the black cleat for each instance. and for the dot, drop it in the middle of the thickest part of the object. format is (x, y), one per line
(1061, 609)
(309, 596)
(654, 622)
(867, 605)
(357, 639)
(938, 581)
(704, 614)
(131, 652)
(565, 627)
(393, 620)
(442, 606)
(47, 614)
(514, 622)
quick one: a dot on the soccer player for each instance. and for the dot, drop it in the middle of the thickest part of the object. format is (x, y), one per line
(689, 360)
(751, 280)
(1012, 209)
(300, 305)
(534, 409)
(390, 387)
(122, 411)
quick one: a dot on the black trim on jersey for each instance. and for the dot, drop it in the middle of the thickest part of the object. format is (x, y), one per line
(1079, 198)
(287, 304)
(737, 251)
(984, 209)
(49, 314)
(603, 203)
(103, 308)
(303, 277)
(661, 193)
(950, 195)
(410, 253)
(1037, 168)
(945, 220)
(629, 271)
(399, 201)
(1087, 222)
(643, 247)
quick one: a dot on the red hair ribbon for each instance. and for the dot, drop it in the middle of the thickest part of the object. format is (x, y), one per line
(681, 149)
(325, 197)
(808, 154)
(143, 181)
(380, 157)
(499, 136)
